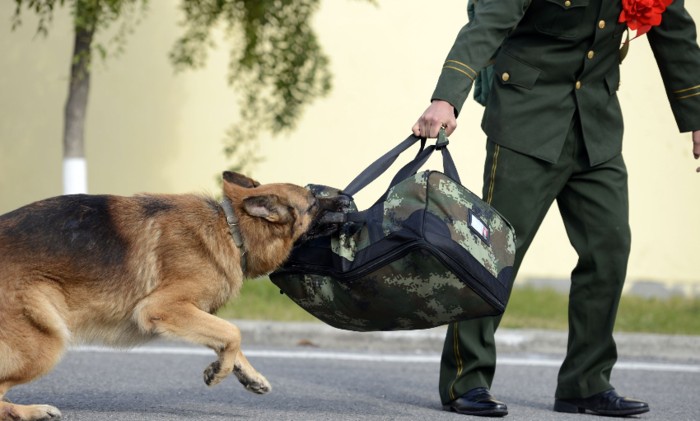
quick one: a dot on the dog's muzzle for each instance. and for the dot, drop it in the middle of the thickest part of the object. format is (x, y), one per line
(331, 215)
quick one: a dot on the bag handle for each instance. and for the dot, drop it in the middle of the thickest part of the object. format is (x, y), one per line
(383, 163)
(379, 166)
(412, 167)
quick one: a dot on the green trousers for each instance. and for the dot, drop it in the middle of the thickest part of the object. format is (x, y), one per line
(593, 202)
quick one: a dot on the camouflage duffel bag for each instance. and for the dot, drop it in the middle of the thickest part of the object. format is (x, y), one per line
(427, 253)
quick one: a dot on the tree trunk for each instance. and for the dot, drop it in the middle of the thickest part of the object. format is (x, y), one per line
(74, 163)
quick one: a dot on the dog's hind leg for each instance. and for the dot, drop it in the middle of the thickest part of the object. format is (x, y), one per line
(185, 321)
(32, 340)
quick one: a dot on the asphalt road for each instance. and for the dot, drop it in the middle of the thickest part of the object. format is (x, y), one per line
(316, 376)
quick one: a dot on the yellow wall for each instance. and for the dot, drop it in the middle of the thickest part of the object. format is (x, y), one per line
(149, 129)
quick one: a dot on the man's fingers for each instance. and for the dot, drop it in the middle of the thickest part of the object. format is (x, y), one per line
(416, 129)
(424, 129)
(449, 128)
(431, 130)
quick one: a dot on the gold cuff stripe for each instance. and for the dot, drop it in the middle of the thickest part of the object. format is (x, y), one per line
(688, 96)
(461, 71)
(461, 64)
(680, 91)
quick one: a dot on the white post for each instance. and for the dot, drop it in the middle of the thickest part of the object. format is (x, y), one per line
(74, 175)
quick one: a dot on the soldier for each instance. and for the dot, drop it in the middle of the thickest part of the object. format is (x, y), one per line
(554, 128)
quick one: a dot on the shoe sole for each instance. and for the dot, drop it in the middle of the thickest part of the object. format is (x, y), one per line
(493, 413)
(575, 409)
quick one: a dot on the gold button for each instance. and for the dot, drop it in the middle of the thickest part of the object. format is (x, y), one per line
(567, 3)
(590, 54)
(578, 84)
(505, 76)
(601, 24)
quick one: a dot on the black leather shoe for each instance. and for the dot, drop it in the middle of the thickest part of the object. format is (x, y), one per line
(605, 403)
(479, 402)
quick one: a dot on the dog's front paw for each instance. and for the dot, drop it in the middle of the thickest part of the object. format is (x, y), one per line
(259, 385)
(252, 380)
(213, 374)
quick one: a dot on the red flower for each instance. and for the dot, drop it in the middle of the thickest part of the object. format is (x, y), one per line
(641, 15)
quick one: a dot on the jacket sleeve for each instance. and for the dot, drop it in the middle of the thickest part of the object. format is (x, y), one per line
(475, 45)
(675, 47)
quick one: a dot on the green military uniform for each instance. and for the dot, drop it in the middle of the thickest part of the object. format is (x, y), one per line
(554, 129)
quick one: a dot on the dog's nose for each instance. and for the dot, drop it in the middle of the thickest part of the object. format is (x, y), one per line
(339, 203)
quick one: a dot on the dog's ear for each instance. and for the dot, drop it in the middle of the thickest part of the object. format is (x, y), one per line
(268, 207)
(239, 179)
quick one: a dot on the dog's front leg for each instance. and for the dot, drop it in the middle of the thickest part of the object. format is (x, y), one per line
(184, 320)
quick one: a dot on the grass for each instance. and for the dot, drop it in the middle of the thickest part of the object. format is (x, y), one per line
(260, 299)
(547, 309)
(528, 308)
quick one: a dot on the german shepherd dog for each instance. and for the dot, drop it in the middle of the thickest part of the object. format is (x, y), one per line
(123, 270)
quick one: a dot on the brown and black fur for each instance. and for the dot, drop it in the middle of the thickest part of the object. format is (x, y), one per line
(122, 270)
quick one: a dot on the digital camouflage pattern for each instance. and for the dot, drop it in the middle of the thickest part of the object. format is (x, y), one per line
(422, 285)
(452, 203)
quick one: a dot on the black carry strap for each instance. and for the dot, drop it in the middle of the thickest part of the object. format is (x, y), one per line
(412, 167)
(380, 166)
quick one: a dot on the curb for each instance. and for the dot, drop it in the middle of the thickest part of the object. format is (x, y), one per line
(678, 348)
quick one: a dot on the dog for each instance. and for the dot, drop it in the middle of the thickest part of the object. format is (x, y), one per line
(123, 270)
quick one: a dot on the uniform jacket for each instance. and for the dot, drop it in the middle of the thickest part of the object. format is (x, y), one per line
(559, 60)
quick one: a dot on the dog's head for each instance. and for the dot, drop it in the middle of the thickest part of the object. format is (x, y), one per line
(276, 210)
(308, 211)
